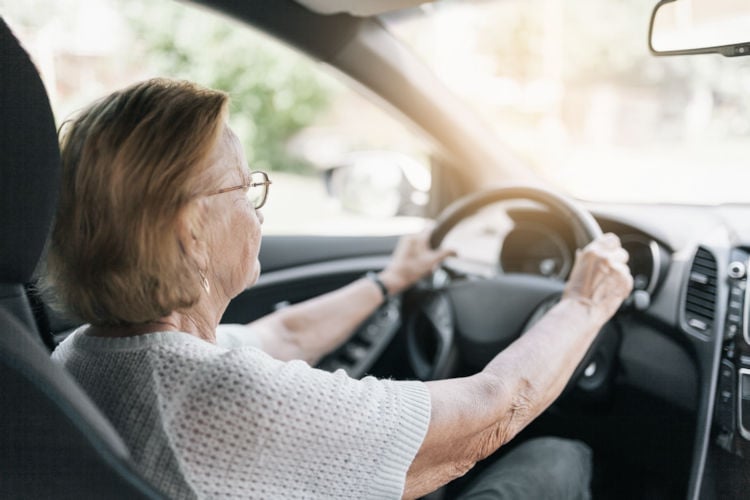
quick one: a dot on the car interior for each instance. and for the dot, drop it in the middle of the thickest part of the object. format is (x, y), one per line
(662, 397)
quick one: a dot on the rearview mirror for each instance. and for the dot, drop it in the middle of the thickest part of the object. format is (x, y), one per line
(682, 27)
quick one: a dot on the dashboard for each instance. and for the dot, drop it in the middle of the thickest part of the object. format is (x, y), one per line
(688, 341)
(531, 240)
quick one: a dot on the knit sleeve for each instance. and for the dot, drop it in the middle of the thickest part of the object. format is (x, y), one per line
(245, 424)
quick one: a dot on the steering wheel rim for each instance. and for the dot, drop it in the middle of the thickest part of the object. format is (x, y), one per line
(538, 290)
(570, 210)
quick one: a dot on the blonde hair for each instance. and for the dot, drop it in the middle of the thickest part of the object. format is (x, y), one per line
(131, 165)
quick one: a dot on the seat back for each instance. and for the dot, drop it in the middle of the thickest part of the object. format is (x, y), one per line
(55, 443)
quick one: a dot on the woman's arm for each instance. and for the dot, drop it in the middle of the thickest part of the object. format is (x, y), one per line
(473, 416)
(311, 329)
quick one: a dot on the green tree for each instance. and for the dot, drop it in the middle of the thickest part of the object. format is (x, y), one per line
(274, 91)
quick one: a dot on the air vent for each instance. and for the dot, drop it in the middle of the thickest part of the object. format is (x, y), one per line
(700, 302)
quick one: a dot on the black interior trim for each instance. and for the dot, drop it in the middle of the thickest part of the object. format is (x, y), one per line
(708, 359)
(320, 36)
(282, 252)
(295, 284)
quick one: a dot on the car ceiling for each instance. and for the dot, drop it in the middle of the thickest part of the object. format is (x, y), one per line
(363, 8)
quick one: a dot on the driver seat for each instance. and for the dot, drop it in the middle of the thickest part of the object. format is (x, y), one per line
(55, 443)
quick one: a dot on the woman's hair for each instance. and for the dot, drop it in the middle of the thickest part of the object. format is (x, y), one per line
(131, 165)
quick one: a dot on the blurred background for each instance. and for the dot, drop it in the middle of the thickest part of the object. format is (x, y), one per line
(568, 85)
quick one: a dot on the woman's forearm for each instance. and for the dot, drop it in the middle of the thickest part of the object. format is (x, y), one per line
(311, 329)
(473, 416)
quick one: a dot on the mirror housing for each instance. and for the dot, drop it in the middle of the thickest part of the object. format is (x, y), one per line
(380, 184)
(683, 27)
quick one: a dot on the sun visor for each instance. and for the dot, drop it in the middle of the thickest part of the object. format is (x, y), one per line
(363, 8)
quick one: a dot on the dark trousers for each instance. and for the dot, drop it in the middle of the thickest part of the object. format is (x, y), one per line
(540, 469)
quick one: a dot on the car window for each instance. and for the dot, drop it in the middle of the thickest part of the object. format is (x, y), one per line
(571, 88)
(294, 117)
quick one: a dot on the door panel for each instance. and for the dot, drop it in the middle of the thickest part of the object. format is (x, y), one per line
(296, 268)
(281, 252)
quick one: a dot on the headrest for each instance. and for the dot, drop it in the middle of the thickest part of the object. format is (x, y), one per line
(29, 162)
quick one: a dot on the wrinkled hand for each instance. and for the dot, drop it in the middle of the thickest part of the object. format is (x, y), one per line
(411, 260)
(600, 277)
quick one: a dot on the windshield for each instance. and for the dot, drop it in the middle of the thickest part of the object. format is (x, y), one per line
(570, 87)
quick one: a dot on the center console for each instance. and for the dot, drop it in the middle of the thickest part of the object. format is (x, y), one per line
(729, 457)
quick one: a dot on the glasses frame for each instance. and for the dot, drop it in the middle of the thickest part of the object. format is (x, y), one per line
(266, 182)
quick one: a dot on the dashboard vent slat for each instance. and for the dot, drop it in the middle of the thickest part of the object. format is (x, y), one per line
(700, 302)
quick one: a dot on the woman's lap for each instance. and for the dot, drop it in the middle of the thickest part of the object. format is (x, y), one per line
(543, 468)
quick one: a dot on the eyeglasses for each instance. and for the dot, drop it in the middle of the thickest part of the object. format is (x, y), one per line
(256, 190)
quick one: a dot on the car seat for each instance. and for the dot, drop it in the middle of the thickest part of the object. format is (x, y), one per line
(55, 443)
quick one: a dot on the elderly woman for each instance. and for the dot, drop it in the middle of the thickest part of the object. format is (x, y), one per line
(159, 227)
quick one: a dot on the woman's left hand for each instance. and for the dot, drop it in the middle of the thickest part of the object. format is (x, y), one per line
(411, 260)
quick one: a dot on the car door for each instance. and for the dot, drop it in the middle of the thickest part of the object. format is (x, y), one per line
(298, 267)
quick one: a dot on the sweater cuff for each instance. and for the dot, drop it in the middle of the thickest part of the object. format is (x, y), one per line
(413, 403)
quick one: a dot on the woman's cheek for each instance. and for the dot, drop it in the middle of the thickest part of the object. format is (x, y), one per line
(253, 250)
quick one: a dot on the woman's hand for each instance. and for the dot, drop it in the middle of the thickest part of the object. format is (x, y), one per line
(411, 260)
(600, 277)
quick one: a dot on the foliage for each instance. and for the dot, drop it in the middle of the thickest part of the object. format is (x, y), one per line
(274, 91)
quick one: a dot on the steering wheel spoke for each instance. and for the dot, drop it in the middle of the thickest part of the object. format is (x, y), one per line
(431, 343)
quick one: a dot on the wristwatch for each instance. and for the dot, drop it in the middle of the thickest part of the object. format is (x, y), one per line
(373, 276)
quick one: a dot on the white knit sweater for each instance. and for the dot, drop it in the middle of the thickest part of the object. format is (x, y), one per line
(208, 422)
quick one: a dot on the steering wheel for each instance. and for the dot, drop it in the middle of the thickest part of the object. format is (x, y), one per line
(476, 319)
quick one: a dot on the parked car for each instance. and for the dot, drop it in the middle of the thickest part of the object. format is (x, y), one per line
(663, 397)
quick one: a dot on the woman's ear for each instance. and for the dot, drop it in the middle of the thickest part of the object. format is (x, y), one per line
(193, 238)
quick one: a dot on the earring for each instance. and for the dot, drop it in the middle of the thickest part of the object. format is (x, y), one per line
(204, 281)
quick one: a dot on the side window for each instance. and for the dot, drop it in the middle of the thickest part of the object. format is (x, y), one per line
(339, 165)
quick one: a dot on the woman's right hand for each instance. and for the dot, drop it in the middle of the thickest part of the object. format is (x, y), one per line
(600, 277)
